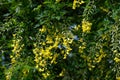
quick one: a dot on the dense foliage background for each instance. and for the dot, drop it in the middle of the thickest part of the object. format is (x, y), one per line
(60, 39)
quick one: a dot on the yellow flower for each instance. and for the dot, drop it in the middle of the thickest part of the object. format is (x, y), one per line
(81, 39)
(14, 35)
(13, 60)
(43, 43)
(117, 59)
(104, 9)
(36, 50)
(36, 60)
(45, 75)
(86, 26)
(46, 54)
(74, 4)
(41, 69)
(43, 29)
(100, 57)
(81, 48)
(65, 56)
(117, 78)
(77, 2)
(49, 39)
(115, 51)
(62, 72)
(42, 63)
(7, 77)
(35, 45)
(37, 66)
(81, 2)
(50, 47)
(101, 51)
(70, 40)
(76, 27)
(25, 72)
(54, 58)
(68, 50)
(56, 44)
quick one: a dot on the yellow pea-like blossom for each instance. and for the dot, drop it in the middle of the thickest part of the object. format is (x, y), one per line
(56, 44)
(77, 27)
(8, 77)
(25, 72)
(36, 50)
(65, 56)
(117, 78)
(49, 39)
(115, 51)
(70, 40)
(37, 66)
(90, 66)
(81, 48)
(13, 60)
(42, 63)
(76, 3)
(45, 75)
(41, 69)
(45, 52)
(68, 50)
(17, 48)
(62, 72)
(99, 57)
(81, 40)
(43, 29)
(104, 9)
(36, 60)
(117, 59)
(54, 58)
(14, 35)
(86, 26)
(43, 43)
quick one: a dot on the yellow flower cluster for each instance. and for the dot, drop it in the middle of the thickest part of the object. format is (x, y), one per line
(104, 9)
(77, 3)
(77, 27)
(90, 66)
(8, 76)
(43, 29)
(85, 57)
(117, 60)
(46, 74)
(54, 58)
(82, 47)
(49, 39)
(86, 26)
(16, 49)
(25, 72)
(40, 57)
(117, 78)
(45, 51)
(66, 43)
(62, 72)
(99, 57)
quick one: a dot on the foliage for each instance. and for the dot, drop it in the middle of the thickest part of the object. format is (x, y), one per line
(60, 39)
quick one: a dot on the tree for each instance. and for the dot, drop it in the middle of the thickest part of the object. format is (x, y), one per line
(62, 39)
